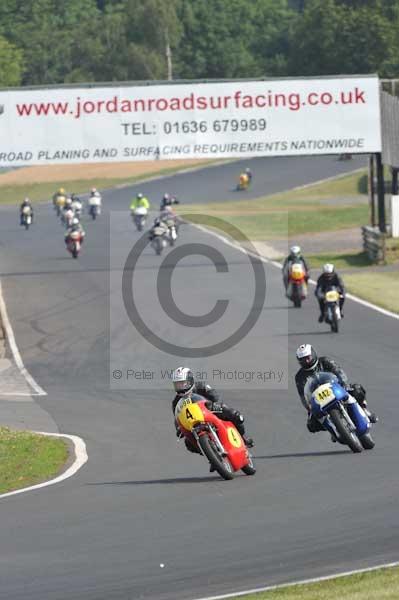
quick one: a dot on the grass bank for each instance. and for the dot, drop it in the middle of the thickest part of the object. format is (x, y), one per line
(382, 584)
(330, 206)
(27, 458)
(381, 288)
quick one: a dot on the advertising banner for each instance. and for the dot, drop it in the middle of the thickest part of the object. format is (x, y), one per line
(190, 120)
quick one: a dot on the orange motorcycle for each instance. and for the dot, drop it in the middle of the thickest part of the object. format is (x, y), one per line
(218, 441)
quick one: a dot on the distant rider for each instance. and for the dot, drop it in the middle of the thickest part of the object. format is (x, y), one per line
(159, 228)
(140, 201)
(295, 256)
(94, 200)
(75, 226)
(60, 193)
(168, 200)
(26, 203)
(329, 278)
(184, 384)
(248, 173)
(310, 364)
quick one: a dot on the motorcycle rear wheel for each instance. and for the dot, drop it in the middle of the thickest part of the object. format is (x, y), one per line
(221, 464)
(346, 435)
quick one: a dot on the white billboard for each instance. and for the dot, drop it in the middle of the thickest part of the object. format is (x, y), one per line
(190, 120)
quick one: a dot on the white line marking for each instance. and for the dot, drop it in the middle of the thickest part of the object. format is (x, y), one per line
(235, 245)
(14, 348)
(80, 459)
(270, 588)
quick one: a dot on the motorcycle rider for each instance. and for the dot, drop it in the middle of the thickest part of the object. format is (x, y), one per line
(76, 202)
(248, 173)
(184, 385)
(75, 226)
(310, 364)
(295, 256)
(25, 204)
(140, 201)
(94, 200)
(158, 223)
(168, 200)
(60, 193)
(329, 278)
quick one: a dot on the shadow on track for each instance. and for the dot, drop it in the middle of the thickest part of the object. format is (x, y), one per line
(161, 481)
(303, 454)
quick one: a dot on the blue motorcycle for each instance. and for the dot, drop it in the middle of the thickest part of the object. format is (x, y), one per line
(338, 411)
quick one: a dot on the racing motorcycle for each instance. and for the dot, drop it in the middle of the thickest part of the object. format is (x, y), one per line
(297, 287)
(172, 230)
(59, 204)
(74, 243)
(338, 412)
(77, 208)
(139, 216)
(94, 211)
(218, 441)
(332, 312)
(159, 239)
(26, 219)
(67, 217)
(243, 182)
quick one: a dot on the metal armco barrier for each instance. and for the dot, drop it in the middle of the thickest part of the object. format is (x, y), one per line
(374, 244)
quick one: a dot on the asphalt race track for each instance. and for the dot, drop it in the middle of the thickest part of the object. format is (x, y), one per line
(312, 509)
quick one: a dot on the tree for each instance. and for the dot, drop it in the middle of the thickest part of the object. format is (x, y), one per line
(333, 38)
(11, 63)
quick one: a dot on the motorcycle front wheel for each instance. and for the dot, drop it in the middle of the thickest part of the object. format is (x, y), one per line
(367, 441)
(249, 469)
(346, 435)
(220, 463)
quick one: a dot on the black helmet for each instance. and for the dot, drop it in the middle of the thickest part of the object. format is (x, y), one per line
(307, 357)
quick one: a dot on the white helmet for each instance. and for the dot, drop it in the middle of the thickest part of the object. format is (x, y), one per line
(75, 221)
(328, 269)
(307, 357)
(295, 250)
(183, 381)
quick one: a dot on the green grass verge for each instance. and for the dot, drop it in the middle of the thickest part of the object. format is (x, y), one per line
(380, 288)
(27, 458)
(382, 584)
(294, 212)
(11, 194)
(348, 260)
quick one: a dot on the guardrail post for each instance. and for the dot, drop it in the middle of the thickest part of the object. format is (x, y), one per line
(381, 194)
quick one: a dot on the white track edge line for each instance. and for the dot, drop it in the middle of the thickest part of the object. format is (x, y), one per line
(235, 245)
(270, 588)
(14, 348)
(81, 458)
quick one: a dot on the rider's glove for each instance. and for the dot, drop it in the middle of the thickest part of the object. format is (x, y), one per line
(179, 433)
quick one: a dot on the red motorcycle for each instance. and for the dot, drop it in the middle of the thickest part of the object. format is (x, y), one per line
(297, 288)
(74, 243)
(219, 441)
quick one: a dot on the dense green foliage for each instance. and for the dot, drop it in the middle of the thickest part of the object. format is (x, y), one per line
(48, 41)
